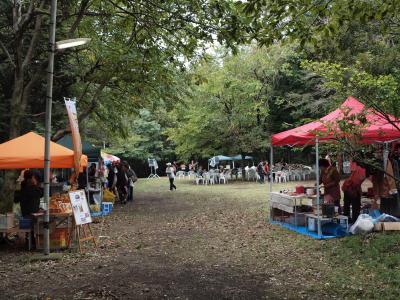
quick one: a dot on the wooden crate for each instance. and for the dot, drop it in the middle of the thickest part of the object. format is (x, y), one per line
(6, 221)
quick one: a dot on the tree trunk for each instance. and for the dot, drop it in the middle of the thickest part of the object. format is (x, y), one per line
(17, 111)
(7, 192)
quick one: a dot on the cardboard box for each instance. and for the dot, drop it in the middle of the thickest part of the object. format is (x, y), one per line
(378, 226)
(391, 226)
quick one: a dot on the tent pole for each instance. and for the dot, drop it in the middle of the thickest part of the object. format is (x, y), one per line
(385, 157)
(271, 179)
(317, 178)
(87, 184)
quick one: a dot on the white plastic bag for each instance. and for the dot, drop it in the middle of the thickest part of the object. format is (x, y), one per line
(363, 225)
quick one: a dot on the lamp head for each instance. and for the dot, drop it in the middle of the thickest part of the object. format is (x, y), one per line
(71, 43)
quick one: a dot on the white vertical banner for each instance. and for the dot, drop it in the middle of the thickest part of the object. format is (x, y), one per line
(76, 137)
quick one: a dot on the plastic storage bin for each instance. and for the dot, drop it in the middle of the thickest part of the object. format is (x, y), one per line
(25, 223)
(106, 208)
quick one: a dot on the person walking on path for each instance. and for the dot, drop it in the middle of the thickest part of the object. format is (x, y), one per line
(171, 176)
(266, 170)
(260, 171)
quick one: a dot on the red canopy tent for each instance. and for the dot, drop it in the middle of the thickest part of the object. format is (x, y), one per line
(378, 129)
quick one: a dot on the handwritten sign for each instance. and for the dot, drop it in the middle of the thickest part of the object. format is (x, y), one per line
(80, 207)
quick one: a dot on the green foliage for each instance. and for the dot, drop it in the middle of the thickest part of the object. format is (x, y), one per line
(354, 80)
(137, 48)
(237, 101)
(313, 21)
(145, 139)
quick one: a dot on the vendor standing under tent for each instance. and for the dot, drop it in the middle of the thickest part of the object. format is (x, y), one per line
(30, 194)
(352, 192)
(383, 185)
(330, 178)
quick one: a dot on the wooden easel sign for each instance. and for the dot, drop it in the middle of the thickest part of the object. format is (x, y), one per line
(82, 218)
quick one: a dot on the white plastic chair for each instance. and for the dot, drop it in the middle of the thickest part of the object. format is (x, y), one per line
(296, 175)
(252, 175)
(240, 173)
(207, 178)
(280, 176)
(222, 178)
(180, 175)
(190, 174)
(306, 174)
(199, 179)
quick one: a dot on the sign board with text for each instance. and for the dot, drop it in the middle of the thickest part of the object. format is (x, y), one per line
(80, 207)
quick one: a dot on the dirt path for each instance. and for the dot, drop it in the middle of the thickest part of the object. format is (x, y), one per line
(195, 243)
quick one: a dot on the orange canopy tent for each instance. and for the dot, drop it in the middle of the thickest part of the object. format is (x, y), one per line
(27, 151)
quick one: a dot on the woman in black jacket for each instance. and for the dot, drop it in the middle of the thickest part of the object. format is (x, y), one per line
(30, 194)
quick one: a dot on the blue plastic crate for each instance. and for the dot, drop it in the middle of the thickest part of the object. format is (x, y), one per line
(25, 223)
(106, 207)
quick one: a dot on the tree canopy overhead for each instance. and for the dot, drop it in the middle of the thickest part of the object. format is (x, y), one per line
(146, 69)
(136, 48)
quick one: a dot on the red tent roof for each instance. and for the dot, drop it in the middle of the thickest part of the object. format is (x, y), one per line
(378, 130)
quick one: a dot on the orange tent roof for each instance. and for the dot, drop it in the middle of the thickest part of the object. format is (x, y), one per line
(27, 151)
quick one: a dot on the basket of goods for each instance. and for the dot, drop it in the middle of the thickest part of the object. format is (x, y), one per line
(60, 204)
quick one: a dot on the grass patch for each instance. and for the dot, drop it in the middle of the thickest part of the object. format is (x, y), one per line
(352, 267)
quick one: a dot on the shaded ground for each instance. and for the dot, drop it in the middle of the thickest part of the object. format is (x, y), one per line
(203, 242)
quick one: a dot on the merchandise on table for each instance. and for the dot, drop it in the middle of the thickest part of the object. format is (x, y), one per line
(95, 208)
(60, 203)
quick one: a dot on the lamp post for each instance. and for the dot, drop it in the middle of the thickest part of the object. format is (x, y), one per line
(49, 101)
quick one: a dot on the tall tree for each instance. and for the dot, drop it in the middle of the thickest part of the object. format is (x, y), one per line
(237, 101)
(136, 48)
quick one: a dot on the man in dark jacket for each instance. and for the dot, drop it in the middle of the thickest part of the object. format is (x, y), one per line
(260, 171)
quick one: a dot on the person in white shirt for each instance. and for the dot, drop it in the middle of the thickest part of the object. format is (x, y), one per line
(171, 176)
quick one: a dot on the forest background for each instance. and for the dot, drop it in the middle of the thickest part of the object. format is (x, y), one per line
(187, 79)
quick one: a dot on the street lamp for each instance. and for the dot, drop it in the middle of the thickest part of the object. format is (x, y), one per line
(71, 43)
(49, 101)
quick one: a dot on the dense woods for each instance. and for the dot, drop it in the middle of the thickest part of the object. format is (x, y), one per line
(190, 79)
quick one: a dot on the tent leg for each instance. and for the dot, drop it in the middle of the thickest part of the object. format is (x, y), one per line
(385, 157)
(317, 178)
(271, 179)
(87, 184)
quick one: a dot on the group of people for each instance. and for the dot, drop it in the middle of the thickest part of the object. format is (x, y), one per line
(262, 171)
(384, 186)
(120, 180)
